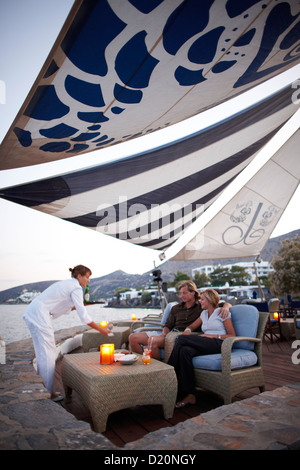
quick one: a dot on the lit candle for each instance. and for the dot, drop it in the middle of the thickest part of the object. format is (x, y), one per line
(276, 316)
(104, 324)
(107, 353)
(133, 316)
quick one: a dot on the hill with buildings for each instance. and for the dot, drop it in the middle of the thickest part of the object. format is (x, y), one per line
(105, 286)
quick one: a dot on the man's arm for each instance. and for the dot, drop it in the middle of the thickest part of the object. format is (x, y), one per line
(165, 331)
(224, 312)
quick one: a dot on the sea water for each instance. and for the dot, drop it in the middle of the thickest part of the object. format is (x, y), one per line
(13, 327)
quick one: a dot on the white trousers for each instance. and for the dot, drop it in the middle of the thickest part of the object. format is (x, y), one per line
(39, 323)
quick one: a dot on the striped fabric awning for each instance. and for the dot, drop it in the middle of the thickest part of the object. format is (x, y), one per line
(125, 68)
(151, 198)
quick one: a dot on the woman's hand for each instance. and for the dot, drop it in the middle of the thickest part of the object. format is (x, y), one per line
(187, 331)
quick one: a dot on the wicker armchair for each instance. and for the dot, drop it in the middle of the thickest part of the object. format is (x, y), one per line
(148, 324)
(231, 374)
(151, 323)
(272, 329)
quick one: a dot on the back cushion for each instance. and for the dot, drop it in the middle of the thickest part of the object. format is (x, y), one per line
(167, 311)
(245, 321)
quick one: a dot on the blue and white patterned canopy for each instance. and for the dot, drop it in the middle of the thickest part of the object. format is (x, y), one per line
(125, 68)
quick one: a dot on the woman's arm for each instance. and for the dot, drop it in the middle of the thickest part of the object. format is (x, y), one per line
(229, 329)
(193, 327)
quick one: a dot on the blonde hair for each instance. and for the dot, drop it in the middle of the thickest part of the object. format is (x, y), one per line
(212, 296)
(191, 287)
(79, 269)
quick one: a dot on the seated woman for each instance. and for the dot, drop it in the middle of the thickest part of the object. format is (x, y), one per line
(215, 329)
(180, 317)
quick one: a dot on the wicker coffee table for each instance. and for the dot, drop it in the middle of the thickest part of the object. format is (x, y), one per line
(93, 339)
(108, 388)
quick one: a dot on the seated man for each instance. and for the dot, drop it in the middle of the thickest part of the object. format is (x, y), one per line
(180, 318)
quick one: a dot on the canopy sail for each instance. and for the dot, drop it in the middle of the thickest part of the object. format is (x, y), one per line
(244, 225)
(122, 69)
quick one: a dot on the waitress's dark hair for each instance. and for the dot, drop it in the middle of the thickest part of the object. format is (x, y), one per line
(80, 269)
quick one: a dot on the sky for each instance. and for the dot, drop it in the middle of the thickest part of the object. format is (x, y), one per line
(36, 246)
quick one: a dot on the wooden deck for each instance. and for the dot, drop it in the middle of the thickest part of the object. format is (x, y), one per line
(133, 423)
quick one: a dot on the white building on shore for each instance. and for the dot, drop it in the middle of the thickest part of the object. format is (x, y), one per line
(263, 269)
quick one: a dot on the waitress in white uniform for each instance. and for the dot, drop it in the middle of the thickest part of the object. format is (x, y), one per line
(58, 299)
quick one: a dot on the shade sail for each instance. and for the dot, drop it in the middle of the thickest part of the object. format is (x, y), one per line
(244, 225)
(124, 68)
(152, 198)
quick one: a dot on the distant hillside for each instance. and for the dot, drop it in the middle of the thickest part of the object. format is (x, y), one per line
(169, 268)
(105, 286)
(14, 292)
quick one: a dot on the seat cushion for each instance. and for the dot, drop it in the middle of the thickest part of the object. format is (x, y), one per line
(240, 358)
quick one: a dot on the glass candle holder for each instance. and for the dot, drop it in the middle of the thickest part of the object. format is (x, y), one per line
(276, 315)
(107, 353)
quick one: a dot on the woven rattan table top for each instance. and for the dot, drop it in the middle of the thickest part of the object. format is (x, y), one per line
(89, 364)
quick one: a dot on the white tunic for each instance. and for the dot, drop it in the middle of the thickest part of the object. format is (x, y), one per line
(55, 301)
(58, 299)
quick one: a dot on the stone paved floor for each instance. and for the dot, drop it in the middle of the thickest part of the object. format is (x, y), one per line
(29, 420)
(270, 420)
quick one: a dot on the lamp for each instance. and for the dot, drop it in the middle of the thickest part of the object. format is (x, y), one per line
(276, 315)
(107, 353)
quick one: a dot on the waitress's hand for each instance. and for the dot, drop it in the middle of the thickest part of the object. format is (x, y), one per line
(103, 331)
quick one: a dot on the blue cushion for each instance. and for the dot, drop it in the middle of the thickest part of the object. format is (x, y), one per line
(298, 323)
(165, 315)
(240, 358)
(167, 311)
(245, 321)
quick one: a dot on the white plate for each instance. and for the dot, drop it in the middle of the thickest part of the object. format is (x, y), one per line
(128, 359)
(117, 356)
